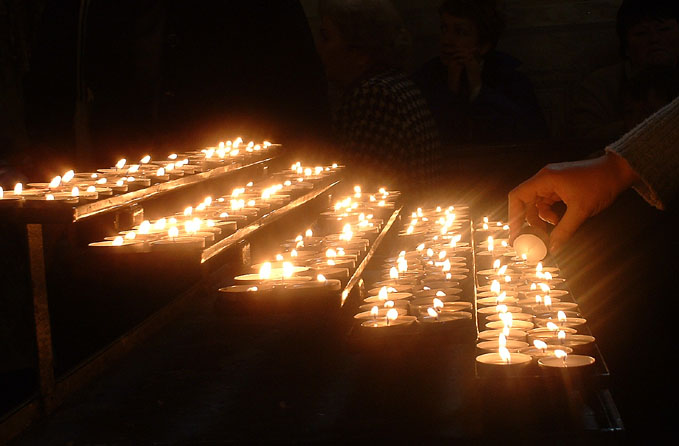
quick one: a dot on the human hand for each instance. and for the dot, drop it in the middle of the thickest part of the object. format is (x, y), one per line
(586, 188)
(467, 60)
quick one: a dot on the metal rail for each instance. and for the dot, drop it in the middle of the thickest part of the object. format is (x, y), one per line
(373, 248)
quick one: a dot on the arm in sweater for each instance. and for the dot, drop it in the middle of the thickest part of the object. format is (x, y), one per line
(652, 151)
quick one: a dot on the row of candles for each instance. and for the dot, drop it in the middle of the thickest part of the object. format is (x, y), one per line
(426, 282)
(125, 176)
(525, 314)
(199, 226)
(318, 263)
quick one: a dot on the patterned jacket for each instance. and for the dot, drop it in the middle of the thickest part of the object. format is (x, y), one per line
(384, 125)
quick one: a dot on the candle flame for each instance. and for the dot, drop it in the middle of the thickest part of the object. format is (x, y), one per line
(118, 241)
(502, 308)
(392, 314)
(502, 270)
(433, 313)
(389, 304)
(552, 326)
(420, 247)
(18, 188)
(68, 176)
(561, 316)
(495, 287)
(160, 172)
(75, 192)
(491, 244)
(331, 253)
(121, 163)
(321, 278)
(173, 232)
(147, 158)
(393, 273)
(383, 294)
(49, 197)
(548, 275)
(496, 264)
(265, 271)
(548, 301)
(560, 354)
(504, 354)
(561, 335)
(56, 181)
(374, 311)
(540, 344)
(288, 270)
(308, 233)
(438, 303)
(502, 341)
(538, 268)
(91, 189)
(131, 235)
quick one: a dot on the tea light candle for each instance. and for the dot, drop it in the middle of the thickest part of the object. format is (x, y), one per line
(119, 245)
(502, 362)
(540, 349)
(562, 361)
(391, 320)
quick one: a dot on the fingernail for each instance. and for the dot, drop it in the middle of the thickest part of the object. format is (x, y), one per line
(553, 247)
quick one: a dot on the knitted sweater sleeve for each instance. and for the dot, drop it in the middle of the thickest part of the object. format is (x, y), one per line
(652, 150)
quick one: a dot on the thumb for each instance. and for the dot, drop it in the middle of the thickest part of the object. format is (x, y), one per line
(566, 227)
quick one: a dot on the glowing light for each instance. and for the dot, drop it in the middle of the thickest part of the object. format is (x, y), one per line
(374, 311)
(288, 270)
(121, 163)
(321, 278)
(118, 241)
(265, 271)
(432, 313)
(505, 355)
(540, 344)
(393, 273)
(392, 315)
(75, 192)
(18, 189)
(173, 232)
(68, 176)
(56, 181)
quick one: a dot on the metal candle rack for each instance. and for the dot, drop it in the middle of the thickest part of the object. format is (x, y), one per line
(52, 389)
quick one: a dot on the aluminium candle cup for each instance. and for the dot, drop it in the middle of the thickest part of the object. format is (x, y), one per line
(448, 307)
(569, 364)
(185, 243)
(402, 305)
(553, 293)
(573, 371)
(515, 316)
(580, 343)
(420, 301)
(517, 324)
(558, 306)
(486, 311)
(531, 301)
(366, 315)
(537, 353)
(402, 288)
(487, 335)
(492, 346)
(245, 299)
(310, 300)
(390, 296)
(432, 292)
(395, 282)
(570, 322)
(348, 263)
(341, 274)
(107, 247)
(493, 301)
(492, 364)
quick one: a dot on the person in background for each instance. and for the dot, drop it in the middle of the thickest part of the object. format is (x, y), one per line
(615, 99)
(475, 92)
(382, 124)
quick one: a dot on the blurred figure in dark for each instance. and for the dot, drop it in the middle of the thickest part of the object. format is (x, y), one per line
(382, 125)
(476, 93)
(613, 100)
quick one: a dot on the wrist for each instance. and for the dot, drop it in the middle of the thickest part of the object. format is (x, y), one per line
(622, 172)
